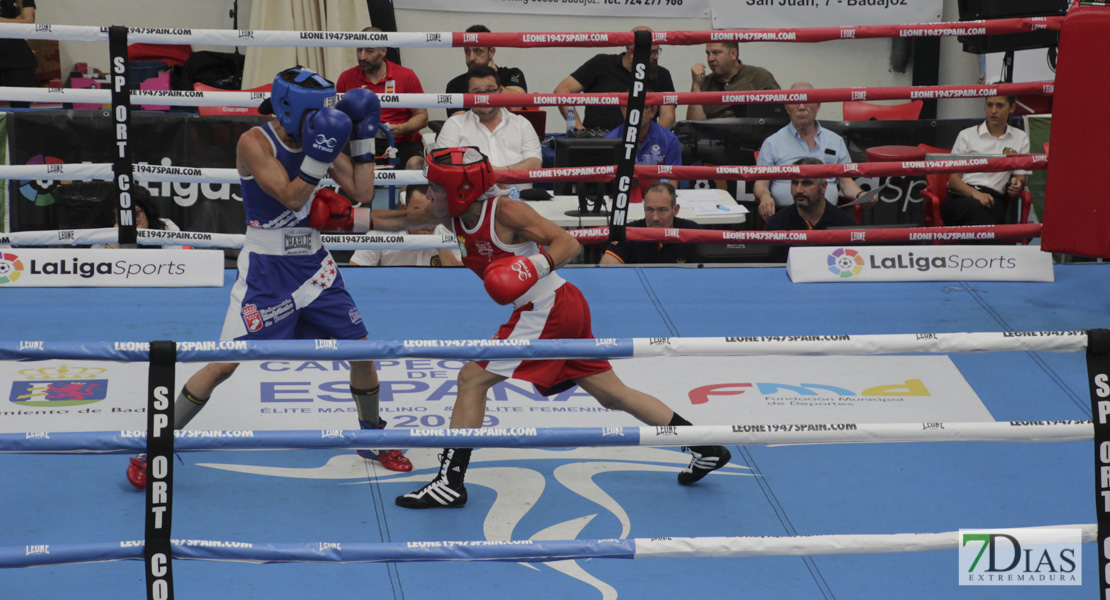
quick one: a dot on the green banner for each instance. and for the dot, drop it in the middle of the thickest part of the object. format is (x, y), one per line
(3, 182)
(1037, 126)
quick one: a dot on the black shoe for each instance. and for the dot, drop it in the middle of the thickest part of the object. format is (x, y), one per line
(703, 464)
(447, 489)
(437, 494)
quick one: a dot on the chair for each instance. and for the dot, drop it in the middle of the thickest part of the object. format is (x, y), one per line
(538, 119)
(240, 111)
(937, 189)
(866, 111)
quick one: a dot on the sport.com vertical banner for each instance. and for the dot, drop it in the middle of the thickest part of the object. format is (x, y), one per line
(121, 121)
(158, 548)
(1098, 375)
(5, 224)
(633, 121)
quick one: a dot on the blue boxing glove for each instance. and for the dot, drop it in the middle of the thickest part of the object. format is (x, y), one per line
(323, 133)
(365, 111)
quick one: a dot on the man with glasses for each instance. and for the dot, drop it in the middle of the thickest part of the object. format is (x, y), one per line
(612, 73)
(802, 137)
(511, 78)
(508, 140)
(727, 74)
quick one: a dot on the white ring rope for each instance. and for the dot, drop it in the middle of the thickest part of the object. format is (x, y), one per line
(812, 545)
(526, 550)
(253, 99)
(487, 349)
(743, 434)
(197, 239)
(446, 39)
(230, 37)
(171, 173)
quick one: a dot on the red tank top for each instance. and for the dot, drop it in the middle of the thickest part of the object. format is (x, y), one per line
(479, 247)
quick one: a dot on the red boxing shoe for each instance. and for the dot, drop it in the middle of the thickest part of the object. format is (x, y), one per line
(136, 471)
(393, 460)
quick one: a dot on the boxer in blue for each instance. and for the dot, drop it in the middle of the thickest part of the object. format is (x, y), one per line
(289, 286)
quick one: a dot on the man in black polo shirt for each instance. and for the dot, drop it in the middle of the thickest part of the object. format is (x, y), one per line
(810, 209)
(612, 73)
(660, 208)
(511, 78)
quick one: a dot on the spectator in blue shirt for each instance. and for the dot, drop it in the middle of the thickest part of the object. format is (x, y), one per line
(802, 137)
(656, 144)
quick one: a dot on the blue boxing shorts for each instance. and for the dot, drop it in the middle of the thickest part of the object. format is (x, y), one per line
(279, 296)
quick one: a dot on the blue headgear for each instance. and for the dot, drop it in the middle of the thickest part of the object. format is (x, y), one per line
(297, 91)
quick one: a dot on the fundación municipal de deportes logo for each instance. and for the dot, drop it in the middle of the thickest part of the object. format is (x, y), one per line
(845, 262)
(10, 267)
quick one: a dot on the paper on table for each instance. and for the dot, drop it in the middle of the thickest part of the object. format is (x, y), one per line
(701, 203)
(865, 197)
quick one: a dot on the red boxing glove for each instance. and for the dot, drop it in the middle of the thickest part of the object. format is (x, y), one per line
(509, 278)
(332, 212)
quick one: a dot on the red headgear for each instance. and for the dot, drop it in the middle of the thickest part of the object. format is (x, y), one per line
(464, 173)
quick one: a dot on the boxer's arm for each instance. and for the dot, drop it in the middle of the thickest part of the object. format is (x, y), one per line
(516, 220)
(356, 179)
(254, 157)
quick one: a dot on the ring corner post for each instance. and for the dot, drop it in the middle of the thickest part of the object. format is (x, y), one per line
(1098, 377)
(159, 490)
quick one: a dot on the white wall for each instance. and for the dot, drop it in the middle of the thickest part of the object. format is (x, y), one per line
(198, 14)
(827, 64)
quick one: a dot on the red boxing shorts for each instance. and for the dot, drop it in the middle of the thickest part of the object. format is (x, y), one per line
(562, 315)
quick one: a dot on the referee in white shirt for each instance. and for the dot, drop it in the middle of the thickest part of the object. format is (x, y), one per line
(981, 198)
(508, 140)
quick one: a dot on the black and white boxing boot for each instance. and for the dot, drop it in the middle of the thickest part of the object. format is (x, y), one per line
(447, 489)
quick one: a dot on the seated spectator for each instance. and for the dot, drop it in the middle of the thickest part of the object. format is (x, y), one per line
(146, 215)
(417, 200)
(656, 145)
(660, 210)
(803, 136)
(511, 78)
(613, 73)
(811, 208)
(382, 76)
(509, 140)
(980, 198)
(727, 74)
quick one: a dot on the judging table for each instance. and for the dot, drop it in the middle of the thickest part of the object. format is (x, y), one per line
(705, 206)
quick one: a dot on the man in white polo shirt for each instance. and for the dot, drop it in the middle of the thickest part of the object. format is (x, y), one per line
(981, 198)
(508, 140)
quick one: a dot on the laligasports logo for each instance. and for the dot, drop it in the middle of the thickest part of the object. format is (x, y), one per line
(10, 267)
(845, 262)
(59, 386)
(1021, 556)
(40, 192)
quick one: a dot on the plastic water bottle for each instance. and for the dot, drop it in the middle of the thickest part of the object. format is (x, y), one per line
(572, 123)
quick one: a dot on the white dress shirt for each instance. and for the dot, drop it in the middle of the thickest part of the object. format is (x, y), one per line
(513, 140)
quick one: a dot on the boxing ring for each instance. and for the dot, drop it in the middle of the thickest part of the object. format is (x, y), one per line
(806, 509)
(781, 491)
